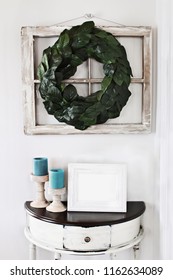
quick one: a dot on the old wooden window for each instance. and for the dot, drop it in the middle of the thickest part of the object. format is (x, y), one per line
(135, 116)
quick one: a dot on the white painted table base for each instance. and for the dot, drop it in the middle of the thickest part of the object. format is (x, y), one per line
(84, 234)
(134, 244)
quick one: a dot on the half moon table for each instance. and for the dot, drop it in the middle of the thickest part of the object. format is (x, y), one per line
(84, 233)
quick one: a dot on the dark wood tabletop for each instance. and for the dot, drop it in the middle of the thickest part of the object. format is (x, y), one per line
(88, 219)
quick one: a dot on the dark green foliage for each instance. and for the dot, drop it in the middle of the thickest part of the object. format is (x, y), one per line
(60, 62)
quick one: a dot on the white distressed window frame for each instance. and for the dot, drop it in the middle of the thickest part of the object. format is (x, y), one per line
(28, 83)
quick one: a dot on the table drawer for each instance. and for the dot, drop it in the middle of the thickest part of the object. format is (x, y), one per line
(87, 239)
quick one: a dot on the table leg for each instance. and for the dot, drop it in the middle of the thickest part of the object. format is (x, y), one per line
(32, 251)
(135, 250)
(57, 256)
(112, 256)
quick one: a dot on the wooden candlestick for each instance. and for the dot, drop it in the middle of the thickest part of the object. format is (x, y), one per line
(56, 205)
(39, 181)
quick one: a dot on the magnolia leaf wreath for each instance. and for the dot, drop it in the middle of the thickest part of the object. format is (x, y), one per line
(60, 62)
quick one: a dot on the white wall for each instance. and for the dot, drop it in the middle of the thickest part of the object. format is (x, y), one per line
(17, 149)
(165, 123)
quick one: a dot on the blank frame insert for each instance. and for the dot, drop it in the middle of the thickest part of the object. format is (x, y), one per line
(97, 187)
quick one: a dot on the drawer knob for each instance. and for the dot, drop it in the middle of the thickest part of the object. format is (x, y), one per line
(87, 239)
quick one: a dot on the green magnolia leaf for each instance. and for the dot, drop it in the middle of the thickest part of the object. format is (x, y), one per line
(58, 77)
(68, 71)
(43, 88)
(100, 33)
(73, 31)
(50, 74)
(93, 98)
(123, 62)
(87, 119)
(43, 66)
(102, 117)
(81, 53)
(110, 96)
(86, 122)
(114, 111)
(63, 41)
(123, 95)
(91, 115)
(75, 60)
(47, 52)
(81, 40)
(70, 93)
(54, 92)
(40, 71)
(86, 27)
(109, 69)
(105, 83)
(118, 78)
(50, 89)
(70, 114)
(67, 52)
(123, 51)
(127, 79)
(45, 62)
(94, 110)
(112, 41)
(104, 56)
(51, 107)
(125, 70)
(121, 77)
(99, 94)
(77, 108)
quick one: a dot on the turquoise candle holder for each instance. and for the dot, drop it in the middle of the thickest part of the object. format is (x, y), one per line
(56, 178)
(40, 166)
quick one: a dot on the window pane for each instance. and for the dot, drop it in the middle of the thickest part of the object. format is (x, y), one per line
(95, 87)
(82, 71)
(40, 44)
(134, 54)
(82, 89)
(96, 69)
(132, 112)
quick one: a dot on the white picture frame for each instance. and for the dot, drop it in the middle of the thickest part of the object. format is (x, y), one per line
(97, 187)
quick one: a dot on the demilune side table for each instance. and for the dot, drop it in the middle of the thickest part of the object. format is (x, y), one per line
(84, 233)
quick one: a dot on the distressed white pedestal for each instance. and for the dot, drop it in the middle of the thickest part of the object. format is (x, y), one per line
(40, 200)
(83, 233)
(56, 206)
